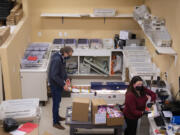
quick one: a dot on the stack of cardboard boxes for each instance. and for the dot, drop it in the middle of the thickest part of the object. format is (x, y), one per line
(101, 113)
(15, 15)
(4, 34)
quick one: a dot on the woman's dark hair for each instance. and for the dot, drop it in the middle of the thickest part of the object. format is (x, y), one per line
(66, 49)
(131, 87)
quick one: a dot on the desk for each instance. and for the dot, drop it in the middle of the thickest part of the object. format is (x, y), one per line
(87, 125)
(152, 123)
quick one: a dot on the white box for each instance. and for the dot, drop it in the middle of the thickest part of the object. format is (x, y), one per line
(108, 43)
(104, 12)
(140, 12)
(124, 35)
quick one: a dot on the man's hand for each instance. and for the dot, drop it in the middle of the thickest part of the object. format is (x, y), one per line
(68, 82)
(66, 87)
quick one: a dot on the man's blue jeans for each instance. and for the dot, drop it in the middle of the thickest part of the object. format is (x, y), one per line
(56, 97)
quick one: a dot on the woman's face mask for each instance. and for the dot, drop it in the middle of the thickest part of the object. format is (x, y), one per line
(138, 86)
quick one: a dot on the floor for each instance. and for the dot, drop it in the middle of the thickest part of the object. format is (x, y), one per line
(46, 121)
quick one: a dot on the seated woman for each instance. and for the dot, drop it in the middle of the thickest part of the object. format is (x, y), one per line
(135, 102)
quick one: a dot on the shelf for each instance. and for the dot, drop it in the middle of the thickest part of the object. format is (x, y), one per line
(117, 16)
(92, 52)
(83, 15)
(116, 75)
(159, 50)
(88, 75)
(59, 15)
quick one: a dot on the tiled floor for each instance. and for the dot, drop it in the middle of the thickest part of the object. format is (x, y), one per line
(46, 120)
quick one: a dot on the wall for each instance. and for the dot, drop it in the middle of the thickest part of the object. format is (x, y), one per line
(170, 11)
(76, 28)
(26, 31)
(1, 85)
(11, 53)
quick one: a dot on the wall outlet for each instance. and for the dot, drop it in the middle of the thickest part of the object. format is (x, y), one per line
(65, 34)
(60, 34)
(14, 69)
(39, 34)
(166, 75)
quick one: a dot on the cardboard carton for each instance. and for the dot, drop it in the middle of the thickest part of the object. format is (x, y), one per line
(80, 109)
(4, 34)
(94, 108)
(18, 16)
(114, 116)
(115, 121)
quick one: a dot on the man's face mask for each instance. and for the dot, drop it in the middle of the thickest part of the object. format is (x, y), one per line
(66, 58)
(139, 88)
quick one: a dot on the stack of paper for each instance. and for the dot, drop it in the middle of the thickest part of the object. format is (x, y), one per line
(21, 109)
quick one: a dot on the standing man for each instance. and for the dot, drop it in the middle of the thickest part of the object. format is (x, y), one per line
(58, 81)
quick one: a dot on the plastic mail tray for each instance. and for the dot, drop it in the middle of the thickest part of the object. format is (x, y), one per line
(116, 85)
(108, 43)
(98, 86)
(38, 47)
(140, 12)
(58, 41)
(138, 59)
(141, 64)
(136, 42)
(83, 43)
(161, 38)
(29, 64)
(96, 43)
(132, 52)
(134, 48)
(71, 43)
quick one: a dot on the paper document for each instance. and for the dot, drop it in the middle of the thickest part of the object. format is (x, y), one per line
(167, 114)
(28, 127)
(17, 132)
(100, 118)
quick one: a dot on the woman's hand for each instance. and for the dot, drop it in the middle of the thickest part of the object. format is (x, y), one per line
(149, 97)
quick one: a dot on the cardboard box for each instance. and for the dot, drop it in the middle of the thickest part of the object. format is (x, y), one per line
(18, 16)
(94, 108)
(114, 116)
(15, 15)
(80, 109)
(4, 34)
(115, 121)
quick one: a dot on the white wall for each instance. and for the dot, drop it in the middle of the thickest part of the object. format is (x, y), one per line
(1, 85)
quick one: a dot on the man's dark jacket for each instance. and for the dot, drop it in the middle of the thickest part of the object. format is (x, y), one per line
(57, 73)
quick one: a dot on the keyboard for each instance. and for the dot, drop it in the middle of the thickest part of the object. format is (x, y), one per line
(159, 121)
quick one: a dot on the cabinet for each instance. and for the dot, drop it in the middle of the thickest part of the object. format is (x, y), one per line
(92, 64)
(34, 84)
(34, 76)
